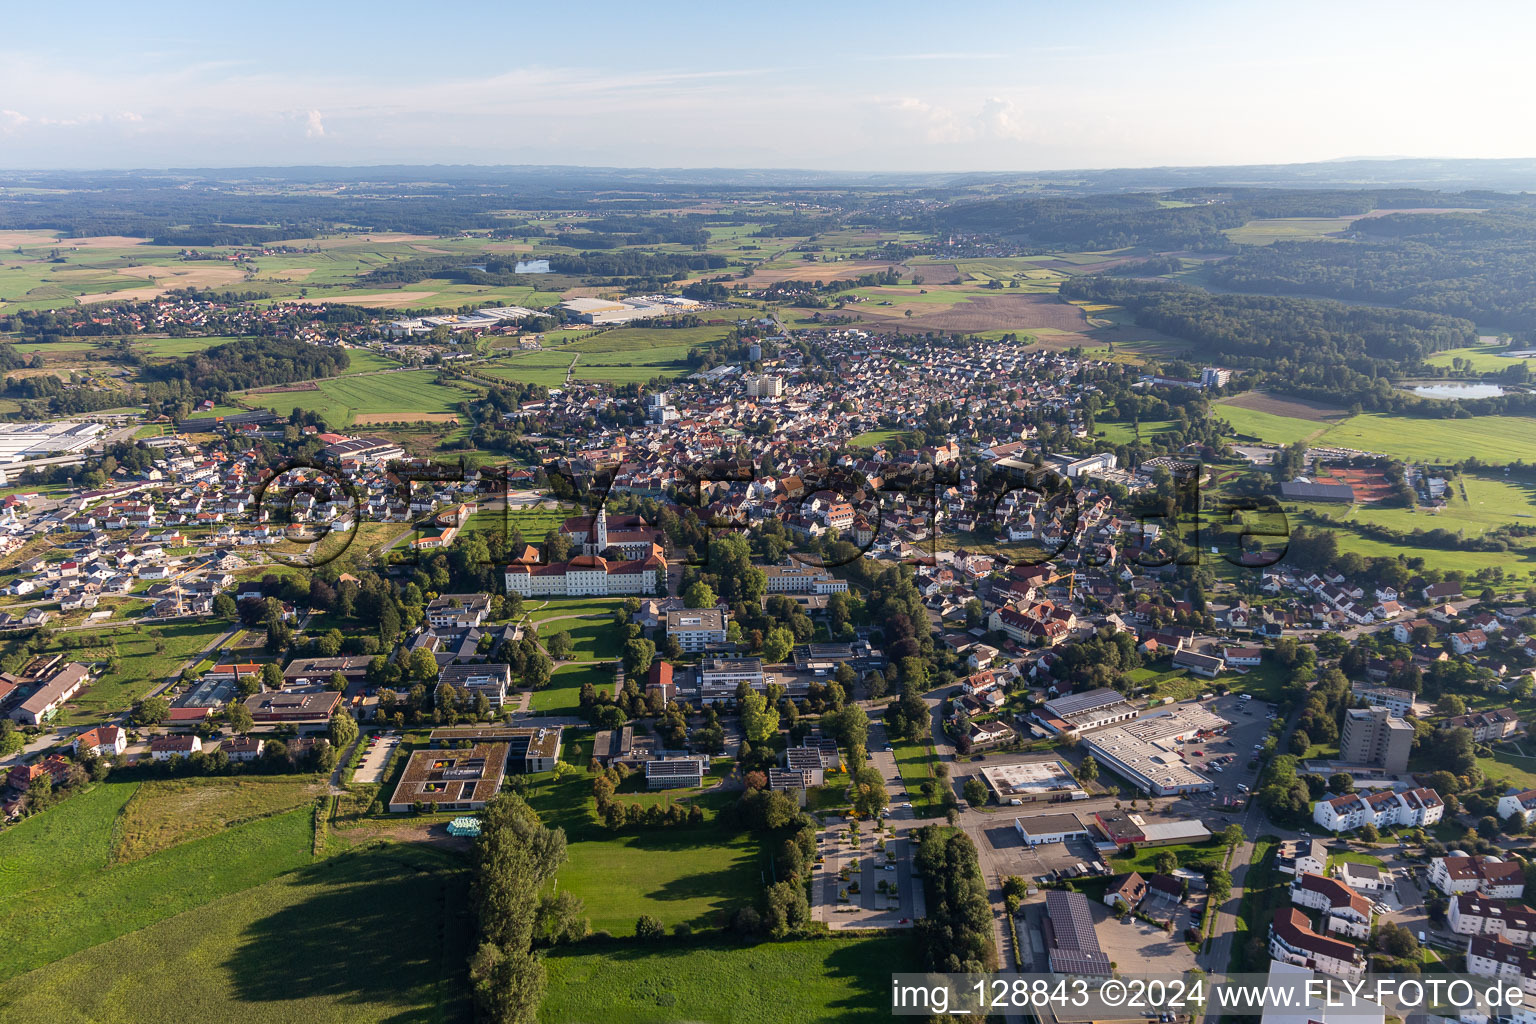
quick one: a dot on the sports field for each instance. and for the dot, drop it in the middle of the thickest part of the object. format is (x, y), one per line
(723, 983)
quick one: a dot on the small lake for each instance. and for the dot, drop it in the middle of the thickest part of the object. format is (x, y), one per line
(532, 267)
(1458, 390)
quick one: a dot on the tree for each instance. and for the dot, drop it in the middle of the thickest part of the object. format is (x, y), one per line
(422, 665)
(225, 608)
(1451, 705)
(975, 791)
(560, 646)
(1341, 783)
(343, 729)
(1369, 833)
(1165, 863)
(777, 645)
(699, 595)
(11, 739)
(759, 721)
(876, 683)
(240, 721)
(1088, 770)
(151, 711)
(338, 682)
(649, 929)
(1232, 836)
(867, 792)
(272, 676)
(785, 909)
(638, 655)
(560, 918)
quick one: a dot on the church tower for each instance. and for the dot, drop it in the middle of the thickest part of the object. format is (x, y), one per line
(600, 532)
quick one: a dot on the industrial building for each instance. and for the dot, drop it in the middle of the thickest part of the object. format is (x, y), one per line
(1031, 782)
(1146, 751)
(19, 441)
(1071, 944)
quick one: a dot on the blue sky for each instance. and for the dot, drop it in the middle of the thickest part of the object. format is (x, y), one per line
(839, 86)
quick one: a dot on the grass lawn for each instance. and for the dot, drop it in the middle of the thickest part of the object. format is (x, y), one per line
(870, 438)
(722, 983)
(1198, 856)
(1269, 426)
(73, 902)
(916, 764)
(1264, 890)
(695, 874)
(165, 812)
(1484, 358)
(563, 694)
(319, 944)
(1509, 768)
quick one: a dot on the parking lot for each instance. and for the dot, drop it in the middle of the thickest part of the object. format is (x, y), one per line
(371, 768)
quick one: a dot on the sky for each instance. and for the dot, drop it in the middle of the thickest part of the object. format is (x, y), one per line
(889, 86)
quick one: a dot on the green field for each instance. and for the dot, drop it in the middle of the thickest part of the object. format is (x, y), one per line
(141, 664)
(871, 438)
(398, 395)
(1493, 439)
(1288, 229)
(1490, 502)
(1509, 768)
(1126, 433)
(695, 874)
(721, 983)
(380, 934)
(1268, 426)
(563, 694)
(165, 812)
(1484, 358)
(62, 895)
(915, 762)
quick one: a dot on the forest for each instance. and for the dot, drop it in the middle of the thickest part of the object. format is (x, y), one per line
(1478, 266)
(250, 363)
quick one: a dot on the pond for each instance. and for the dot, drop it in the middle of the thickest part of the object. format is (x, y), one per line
(1457, 390)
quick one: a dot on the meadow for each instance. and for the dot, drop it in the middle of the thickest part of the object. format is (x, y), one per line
(145, 654)
(323, 943)
(915, 762)
(1484, 358)
(165, 812)
(71, 902)
(692, 874)
(1289, 229)
(844, 979)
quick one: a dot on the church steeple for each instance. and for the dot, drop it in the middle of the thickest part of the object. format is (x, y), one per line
(600, 532)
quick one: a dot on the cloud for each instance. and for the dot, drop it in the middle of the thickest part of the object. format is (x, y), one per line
(314, 127)
(10, 120)
(997, 120)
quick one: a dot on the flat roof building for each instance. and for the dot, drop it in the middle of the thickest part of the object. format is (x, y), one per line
(452, 780)
(1146, 751)
(1032, 781)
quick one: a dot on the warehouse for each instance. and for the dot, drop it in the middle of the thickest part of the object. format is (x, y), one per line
(1051, 828)
(1032, 781)
(20, 441)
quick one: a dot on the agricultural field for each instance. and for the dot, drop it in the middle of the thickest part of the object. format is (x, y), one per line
(380, 397)
(165, 812)
(1494, 439)
(722, 983)
(269, 953)
(692, 874)
(1290, 229)
(1489, 502)
(1276, 418)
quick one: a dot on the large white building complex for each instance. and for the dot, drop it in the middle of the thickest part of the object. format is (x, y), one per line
(1146, 751)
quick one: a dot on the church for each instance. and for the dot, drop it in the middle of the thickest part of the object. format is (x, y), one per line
(589, 574)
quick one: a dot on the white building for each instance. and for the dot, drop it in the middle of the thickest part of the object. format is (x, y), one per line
(1414, 808)
(1521, 803)
(1470, 914)
(1344, 911)
(587, 575)
(1489, 876)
